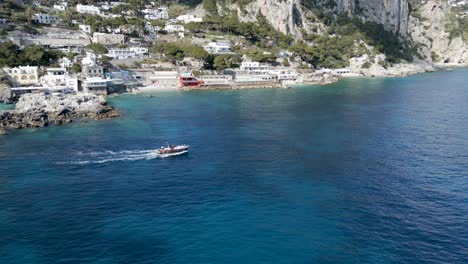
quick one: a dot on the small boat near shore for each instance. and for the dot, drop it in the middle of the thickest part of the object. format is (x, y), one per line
(172, 150)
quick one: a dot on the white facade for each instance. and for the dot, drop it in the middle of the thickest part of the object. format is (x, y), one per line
(154, 14)
(218, 47)
(139, 50)
(189, 18)
(174, 28)
(116, 3)
(243, 78)
(285, 75)
(216, 79)
(254, 67)
(65, 62)
(57, 79)
(108, 39)
(23, 75)
(61, 7)
(95, 85)
(88, 9)
(165, 79)
(45, 19)
(127, 53)
(85, 28)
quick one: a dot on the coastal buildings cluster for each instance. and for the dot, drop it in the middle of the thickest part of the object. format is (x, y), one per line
(118, 58)
(94, 78)
(150, 47)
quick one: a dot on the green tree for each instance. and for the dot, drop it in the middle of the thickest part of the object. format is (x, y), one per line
(98, 48)
(105, 59)
(9, 54)
(226, 61)
(75, 68)
(210, 6)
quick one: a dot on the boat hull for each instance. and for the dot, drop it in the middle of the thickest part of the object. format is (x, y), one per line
(165, 155)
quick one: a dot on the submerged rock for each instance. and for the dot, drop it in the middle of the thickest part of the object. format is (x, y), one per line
(40, 110)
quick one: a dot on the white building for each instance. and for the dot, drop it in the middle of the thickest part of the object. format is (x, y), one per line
(255, 68)
(216, 79)
(218, 47)
(165, 79)
(95, 85)
(66, 42)
(116, 3)
(108, 39)
(155, 14)
(65, 62)
(85, 28)
(163, 12)
(189, 18)
(54, 77)
(284, 75)
(88, 9)
(174, 28)
(23, 75)
(140, 51)
(61, 7)
(243, 78)
(45, 19)
(90, 68)
(57, 79)
(127, 53)
(345, 72)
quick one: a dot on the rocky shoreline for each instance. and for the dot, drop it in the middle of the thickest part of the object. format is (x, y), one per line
(40, 110)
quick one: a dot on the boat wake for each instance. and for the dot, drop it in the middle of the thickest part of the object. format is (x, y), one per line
(101, 157)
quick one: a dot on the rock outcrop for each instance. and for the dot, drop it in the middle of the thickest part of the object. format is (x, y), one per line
(290, 16)
(428, 29)
(285, 16)
(6, 94)
(39, 110)
(392, 14)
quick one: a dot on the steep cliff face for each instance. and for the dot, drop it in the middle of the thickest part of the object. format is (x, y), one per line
(392, 14)
(292, 17)
(286, 16)
(289, 16)
(429, 30)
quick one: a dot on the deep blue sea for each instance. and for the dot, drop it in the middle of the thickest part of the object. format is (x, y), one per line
(362, 171)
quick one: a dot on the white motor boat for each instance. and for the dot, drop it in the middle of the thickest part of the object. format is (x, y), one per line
(172, 150)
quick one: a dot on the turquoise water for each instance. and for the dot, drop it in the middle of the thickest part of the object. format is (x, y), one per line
(363, 171)
(6, 106)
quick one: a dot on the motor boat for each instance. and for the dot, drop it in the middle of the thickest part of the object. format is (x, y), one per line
(172, 150)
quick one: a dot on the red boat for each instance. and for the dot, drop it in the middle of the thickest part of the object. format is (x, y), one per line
(189, 81)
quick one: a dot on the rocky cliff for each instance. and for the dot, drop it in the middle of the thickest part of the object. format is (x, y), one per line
(429, 27)
(392, 14)
(39, 110)
(290, 16)
(428, 30)
(285, 16)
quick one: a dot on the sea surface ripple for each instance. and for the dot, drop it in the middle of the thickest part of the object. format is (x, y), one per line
(362, 171)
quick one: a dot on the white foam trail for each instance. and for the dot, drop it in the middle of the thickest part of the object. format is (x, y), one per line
(114, 156)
